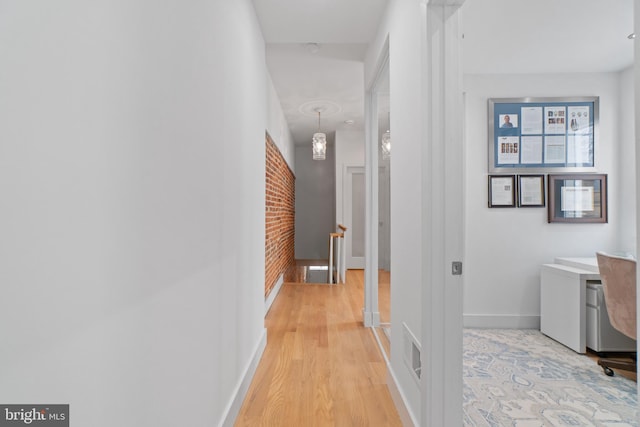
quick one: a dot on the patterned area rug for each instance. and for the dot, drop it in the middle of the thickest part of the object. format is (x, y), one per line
(523, 378)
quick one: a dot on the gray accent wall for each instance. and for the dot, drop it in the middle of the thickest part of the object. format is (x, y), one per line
(315, 202)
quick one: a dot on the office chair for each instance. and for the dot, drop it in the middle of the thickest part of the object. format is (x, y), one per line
(618, 276)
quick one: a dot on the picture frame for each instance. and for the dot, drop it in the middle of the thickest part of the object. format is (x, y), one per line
(577, 198)
(502, 191)
(543, 134)
(531, 191)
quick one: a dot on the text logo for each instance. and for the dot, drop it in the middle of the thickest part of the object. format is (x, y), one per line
(34, 415)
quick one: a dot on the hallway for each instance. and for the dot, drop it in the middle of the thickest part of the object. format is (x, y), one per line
(321, 366)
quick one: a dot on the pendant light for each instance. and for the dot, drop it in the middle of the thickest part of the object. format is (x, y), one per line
(385, 143)
(319, 142)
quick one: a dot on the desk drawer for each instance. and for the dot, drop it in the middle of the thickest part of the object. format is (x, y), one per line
(601, 336)
(592, 294)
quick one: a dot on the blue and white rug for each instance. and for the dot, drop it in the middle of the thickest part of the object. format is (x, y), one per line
(523, 378)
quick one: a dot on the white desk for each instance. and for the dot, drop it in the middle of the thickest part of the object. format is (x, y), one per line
(589, 264)
(563, 289)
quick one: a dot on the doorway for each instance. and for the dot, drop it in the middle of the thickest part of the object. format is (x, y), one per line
(378, 160)
(354, 209)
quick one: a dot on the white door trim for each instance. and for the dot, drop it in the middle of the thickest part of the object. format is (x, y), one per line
(442, 215)
(371, 313)
(348, 172)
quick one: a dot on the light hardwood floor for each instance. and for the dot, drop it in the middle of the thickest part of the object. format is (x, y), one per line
(321, 366)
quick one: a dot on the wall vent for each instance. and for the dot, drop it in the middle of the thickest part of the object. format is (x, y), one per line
(412, 351)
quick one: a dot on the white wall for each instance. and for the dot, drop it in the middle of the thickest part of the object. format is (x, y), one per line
(405, 71)
(505, 247)
(315, 202)
(132, 182)
(277, 126)
(402, 24)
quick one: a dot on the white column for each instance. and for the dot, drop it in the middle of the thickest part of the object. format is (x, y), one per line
(442, 208)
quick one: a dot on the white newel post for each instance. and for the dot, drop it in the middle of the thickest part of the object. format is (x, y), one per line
(336, 256)
(342, 254)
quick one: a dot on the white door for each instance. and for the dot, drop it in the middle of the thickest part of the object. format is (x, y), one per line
(354, 206)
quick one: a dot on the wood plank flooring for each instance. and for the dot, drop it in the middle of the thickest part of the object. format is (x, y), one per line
(321, 366)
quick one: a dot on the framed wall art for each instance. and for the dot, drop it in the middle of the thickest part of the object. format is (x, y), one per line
(531, 191)
(542, 134)
(502, 191)
(578, 198)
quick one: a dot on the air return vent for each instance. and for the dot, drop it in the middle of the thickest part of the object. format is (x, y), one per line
(412, 350)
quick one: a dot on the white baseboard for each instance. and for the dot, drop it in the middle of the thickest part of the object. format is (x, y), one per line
(273, 294)
(507, 321)
(398, 397)
(406, 416)
(240, 392)
(371, 318)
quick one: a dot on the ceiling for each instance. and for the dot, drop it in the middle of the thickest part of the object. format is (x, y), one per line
(315, 48)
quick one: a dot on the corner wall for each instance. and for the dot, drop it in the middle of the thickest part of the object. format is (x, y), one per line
(132, 181)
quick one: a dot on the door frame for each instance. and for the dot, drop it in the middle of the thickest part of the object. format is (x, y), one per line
(371, 313)
(442, 214)
(347, 174)
(384, 218)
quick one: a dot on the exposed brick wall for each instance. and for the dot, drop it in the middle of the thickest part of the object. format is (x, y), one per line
(280, 216)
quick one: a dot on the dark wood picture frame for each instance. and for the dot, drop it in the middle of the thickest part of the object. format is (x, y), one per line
(578, 198)
(527, 197)
(502, 191)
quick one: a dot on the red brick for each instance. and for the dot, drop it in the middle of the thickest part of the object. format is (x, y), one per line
(279, 215)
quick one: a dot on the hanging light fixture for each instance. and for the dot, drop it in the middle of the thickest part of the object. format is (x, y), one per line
(319, 142)
(385, 143)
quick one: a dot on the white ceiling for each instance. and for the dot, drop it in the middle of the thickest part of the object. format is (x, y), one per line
(319, 21)
(331, 79)
(500, 36)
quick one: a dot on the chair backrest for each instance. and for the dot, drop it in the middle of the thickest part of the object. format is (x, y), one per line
(618, 277)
